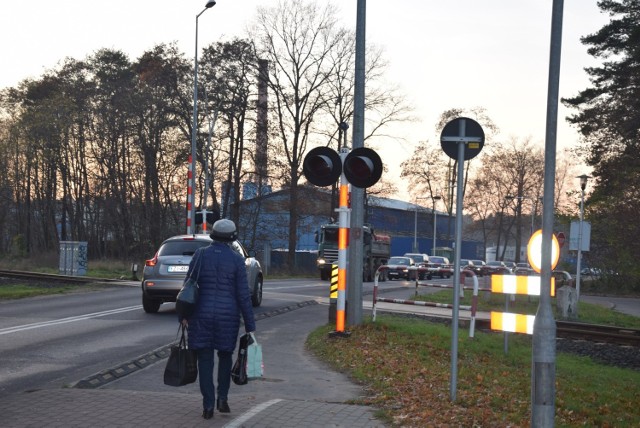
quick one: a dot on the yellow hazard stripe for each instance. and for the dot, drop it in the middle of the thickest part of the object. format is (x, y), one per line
(519, 284)
(515, 323)
(333, 290)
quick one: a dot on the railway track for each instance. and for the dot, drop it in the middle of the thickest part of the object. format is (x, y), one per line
(41, 277)
(598, 333)
(588, 332)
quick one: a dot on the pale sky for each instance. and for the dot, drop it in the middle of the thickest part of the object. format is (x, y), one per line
(442, 53)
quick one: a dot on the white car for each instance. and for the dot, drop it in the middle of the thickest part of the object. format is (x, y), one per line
(164, 274)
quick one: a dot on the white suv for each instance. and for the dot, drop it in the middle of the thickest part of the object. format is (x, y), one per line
(164, 274)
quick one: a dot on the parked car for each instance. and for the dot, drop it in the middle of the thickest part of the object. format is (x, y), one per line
(466, 264)
(418, 258)
(523, 269)
(399, 267)
(477, 266)
(164, 274)
(421, 260)
(494, 267)
(511, 266)
(439, 266)
(595, 272)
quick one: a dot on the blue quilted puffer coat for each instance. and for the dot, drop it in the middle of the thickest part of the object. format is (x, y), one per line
(224, 296)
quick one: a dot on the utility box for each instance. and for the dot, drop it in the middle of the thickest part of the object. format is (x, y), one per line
(567, 302)
(73, 258)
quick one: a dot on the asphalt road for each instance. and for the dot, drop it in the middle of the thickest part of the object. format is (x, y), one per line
(53, 341)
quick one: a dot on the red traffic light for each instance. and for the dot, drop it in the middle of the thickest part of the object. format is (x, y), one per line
(322, 166)
(363, 167)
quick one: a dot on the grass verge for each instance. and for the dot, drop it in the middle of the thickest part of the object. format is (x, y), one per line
(21, 291)
(109, 269)
(405, 365)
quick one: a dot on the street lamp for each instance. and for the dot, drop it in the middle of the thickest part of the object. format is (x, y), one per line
(583, 184)
(191, 224)
(415, 227)
(435, 217)
(518, 216)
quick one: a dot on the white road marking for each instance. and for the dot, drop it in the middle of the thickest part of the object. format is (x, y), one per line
(251, 413)
(19, 328)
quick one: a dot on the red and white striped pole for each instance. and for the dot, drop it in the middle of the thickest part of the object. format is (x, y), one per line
(343, 244)
(189, 195)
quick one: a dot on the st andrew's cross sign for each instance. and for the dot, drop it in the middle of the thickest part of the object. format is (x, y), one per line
(462, 130)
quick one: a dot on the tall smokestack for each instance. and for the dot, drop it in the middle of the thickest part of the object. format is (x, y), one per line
(262, 125)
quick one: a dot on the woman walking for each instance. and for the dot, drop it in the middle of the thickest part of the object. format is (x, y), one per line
(224, 296)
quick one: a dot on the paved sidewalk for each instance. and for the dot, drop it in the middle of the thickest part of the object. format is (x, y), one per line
(297, 391)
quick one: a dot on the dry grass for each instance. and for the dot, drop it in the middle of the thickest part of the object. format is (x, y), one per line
(405, 364)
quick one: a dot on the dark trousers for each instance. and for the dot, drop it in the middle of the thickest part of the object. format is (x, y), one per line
(205, 376)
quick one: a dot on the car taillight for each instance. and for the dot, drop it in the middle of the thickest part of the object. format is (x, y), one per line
(152, 262)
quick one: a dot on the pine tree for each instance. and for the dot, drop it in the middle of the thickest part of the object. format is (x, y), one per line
(608, 118)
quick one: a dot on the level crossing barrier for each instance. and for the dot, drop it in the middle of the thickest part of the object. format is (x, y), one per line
(465, 273)
(516, 284)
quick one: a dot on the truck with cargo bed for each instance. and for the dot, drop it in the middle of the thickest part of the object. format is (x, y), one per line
(375, 250)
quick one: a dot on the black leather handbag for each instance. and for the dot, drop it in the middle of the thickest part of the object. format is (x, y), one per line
(182, 365)
(187, 298)
(239, 370)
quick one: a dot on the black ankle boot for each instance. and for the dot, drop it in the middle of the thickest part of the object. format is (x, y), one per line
(207, 413)
(223, 406)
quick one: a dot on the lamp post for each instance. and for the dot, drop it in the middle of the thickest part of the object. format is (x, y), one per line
(191, 226)
(518, 215)
(415, 226)
(435, 218)
(583, 185)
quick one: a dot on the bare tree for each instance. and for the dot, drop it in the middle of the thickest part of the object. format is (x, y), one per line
(230, 73)
(297, 37)
(507, 184)
(432, 172)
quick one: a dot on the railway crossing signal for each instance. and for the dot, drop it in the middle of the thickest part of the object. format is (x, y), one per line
(362, 167)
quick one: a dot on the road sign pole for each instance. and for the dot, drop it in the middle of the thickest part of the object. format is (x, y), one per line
(456, 272)
(461, 139)
(354, 275)
(543, 361)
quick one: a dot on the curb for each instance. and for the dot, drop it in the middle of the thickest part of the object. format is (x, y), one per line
(109, 375)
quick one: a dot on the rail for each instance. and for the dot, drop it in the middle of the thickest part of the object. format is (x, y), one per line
(598, 333)
(39, 276)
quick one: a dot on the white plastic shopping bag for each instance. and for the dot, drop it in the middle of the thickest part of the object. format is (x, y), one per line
(255, 366)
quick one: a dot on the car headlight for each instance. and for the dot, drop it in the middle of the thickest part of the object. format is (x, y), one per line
(321, 261)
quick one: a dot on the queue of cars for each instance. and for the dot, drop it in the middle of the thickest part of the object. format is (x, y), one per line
(493, 267)
(428, 267)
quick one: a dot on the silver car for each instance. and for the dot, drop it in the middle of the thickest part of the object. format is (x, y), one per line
(164, 274)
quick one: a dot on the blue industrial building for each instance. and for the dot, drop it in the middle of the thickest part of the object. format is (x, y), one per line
(264, 223)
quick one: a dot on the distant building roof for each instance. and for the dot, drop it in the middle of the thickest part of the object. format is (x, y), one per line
(397, 204)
